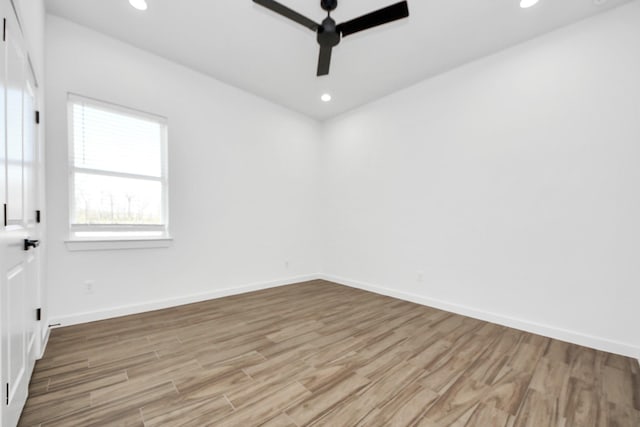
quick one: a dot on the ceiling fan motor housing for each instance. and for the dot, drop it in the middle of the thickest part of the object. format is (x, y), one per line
(328, 35)
(329, 5)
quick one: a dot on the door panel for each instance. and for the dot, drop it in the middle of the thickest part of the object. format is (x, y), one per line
(15, 89)
(19, 268)
(17, 337)
(3, 145)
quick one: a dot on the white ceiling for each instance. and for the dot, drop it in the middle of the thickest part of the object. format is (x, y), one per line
(243, 44)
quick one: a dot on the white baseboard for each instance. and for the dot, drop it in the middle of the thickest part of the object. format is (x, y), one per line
(78, 318)
(524, 325)
(574, 337)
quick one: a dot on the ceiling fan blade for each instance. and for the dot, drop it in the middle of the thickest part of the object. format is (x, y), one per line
(324, 61)
(288, 13)
(373, 19)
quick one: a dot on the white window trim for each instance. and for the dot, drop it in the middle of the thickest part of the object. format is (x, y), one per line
(117, 244)
(75, 243)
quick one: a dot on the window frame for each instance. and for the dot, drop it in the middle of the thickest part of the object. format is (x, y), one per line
(126, 232)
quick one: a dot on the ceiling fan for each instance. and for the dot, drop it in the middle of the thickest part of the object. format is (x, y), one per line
(329, 34)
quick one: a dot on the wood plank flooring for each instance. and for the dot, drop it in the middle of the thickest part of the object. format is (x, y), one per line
(321, 354)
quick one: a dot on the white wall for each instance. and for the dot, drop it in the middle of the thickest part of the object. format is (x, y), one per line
(507, 189)
(510, 185)
(242, 183)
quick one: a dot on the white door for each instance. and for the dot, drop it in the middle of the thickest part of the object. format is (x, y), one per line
(18, 261)
(3, 202)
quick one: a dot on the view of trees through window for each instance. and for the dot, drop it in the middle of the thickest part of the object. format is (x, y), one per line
(111, 200)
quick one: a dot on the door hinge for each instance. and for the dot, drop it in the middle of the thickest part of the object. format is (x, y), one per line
(38, 314)
(37, 117)
(38, 217)
(5, 214)
(4, 29)
(7, 394)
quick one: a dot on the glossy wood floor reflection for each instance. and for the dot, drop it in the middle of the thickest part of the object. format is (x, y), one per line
(321, 354)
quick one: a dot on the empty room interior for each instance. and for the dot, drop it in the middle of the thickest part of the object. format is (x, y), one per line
(335, 213)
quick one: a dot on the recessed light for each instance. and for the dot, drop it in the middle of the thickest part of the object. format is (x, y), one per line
(527, 3)
(139, 4)
(326, 97)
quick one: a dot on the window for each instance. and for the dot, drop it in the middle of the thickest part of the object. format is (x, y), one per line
(118, 172)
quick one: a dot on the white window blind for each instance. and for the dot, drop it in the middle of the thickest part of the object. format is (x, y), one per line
(118, 171)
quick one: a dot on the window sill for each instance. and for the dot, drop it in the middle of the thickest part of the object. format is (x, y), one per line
(117, 244)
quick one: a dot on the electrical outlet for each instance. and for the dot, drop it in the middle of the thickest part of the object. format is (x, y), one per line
(89, 287)
(420, 276)
(286, 264)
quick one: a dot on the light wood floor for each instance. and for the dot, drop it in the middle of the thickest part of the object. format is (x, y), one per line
(322, 354)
